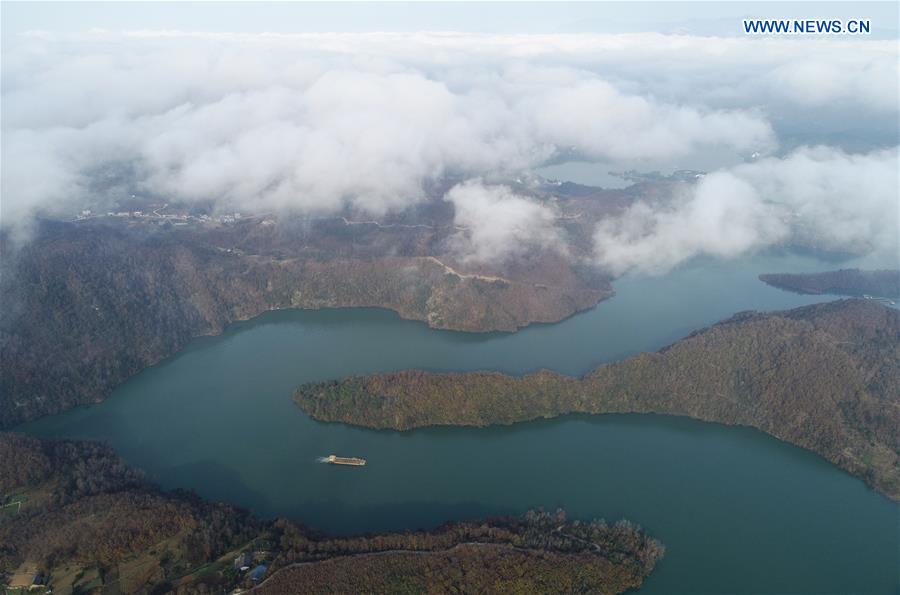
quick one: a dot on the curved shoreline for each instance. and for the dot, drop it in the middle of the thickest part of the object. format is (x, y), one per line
(821, 377)
(81, 509)
(504, 307)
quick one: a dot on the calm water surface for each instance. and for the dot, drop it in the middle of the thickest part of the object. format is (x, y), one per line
(738, 511)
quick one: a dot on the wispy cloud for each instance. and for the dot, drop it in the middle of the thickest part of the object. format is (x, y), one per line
(817, 196)
(499, 224)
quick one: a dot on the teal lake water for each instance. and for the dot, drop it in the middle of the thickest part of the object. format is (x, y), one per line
(738, 511)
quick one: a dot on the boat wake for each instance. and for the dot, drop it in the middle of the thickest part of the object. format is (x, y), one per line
(321, 459)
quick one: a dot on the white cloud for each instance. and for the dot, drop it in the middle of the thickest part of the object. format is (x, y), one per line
(317, 122)
(499, 224)
(816, 196)
(602, 123)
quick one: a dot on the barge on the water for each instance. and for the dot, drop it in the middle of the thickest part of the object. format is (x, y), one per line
(336, 460)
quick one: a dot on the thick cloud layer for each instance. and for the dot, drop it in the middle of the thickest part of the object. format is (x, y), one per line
(499, 224)
(318, 122)
(816, 196)
(263, 123)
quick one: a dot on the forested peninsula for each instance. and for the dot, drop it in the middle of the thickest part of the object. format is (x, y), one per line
(850, 282)
(825, 377)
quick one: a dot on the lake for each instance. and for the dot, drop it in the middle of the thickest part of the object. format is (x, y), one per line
(590, 173)
(738, 511)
